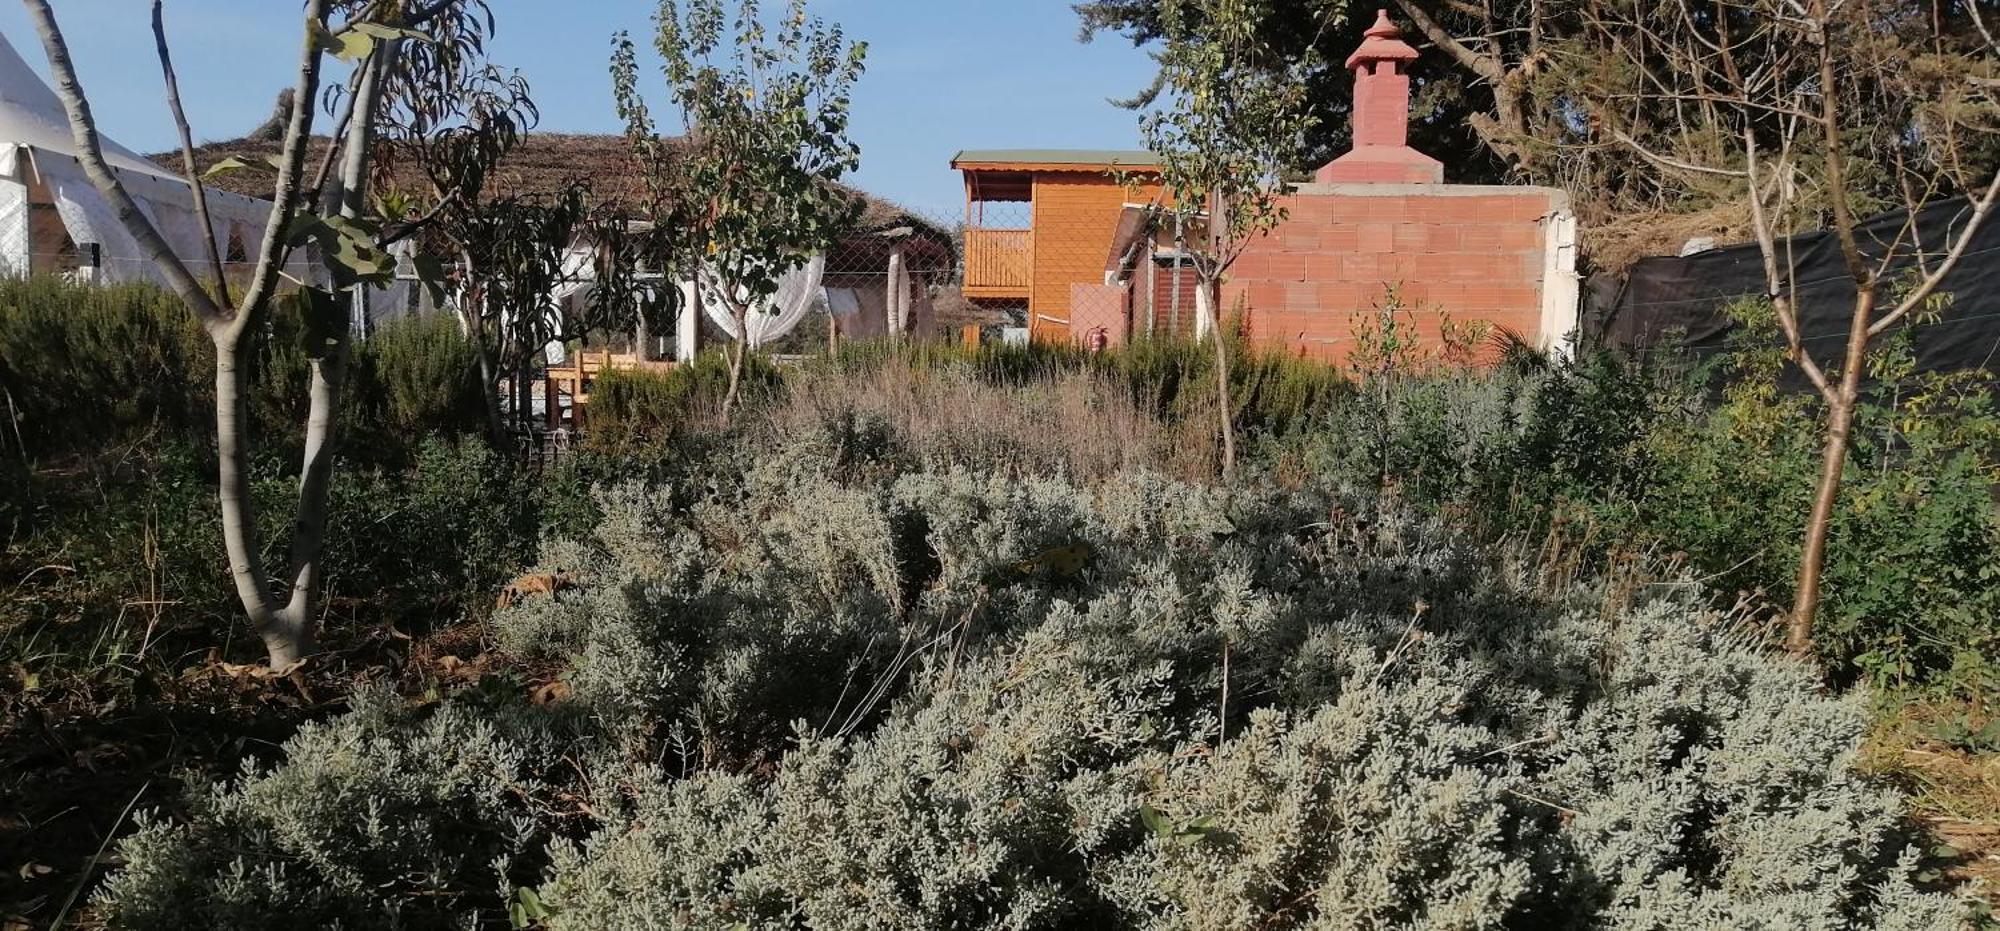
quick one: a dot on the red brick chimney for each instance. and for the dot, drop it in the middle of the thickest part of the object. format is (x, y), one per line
(1382, 153)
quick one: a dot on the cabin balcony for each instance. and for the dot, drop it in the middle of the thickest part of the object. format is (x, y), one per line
(998, 263)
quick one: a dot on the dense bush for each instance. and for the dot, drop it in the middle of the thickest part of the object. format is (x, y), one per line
(84, 366)
(836, 695)
(1642, 459)
(632, 404)
(387, 817)
(1272, 392)
(87, 367)
(108, 519)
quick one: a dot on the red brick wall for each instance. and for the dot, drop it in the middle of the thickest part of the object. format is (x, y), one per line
(1476, 253)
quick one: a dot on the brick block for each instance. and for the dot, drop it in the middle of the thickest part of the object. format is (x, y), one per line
(1387, 209)
(1300, 295)
(1339, 239)
(1324, 266)
(1521, 236)
(1435, 266)
(1295, 236)
(1376, 237)
(1287, 266)
(1398, 266)
(1481, 237)
(1313, 209)
(1265, 294)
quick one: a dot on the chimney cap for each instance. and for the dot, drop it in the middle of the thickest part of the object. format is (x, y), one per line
(1383, 42)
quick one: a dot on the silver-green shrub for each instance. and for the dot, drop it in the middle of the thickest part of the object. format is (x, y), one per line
(389, 816)
(834, 695)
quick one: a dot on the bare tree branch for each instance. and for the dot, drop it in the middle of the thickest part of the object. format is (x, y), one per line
(1485, 66)
(298, 133)
(187, 156)
(1981, 208)
(1669, 161)
(1781, 300)
(90, 153)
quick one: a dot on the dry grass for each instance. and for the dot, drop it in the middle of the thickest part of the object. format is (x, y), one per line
(1079, 424)
(1615, 244)
(1955, 794)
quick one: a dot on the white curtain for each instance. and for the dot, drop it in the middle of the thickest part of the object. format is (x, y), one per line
(798, 290)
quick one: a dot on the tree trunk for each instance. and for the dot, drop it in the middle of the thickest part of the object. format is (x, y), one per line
(471, 325)
(898, 291)
(1833, 460)
(282, 643)
(737, 350)
(1207, 300)
(327, 376)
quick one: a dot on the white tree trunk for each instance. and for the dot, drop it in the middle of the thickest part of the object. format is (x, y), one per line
(898, 287)
(1204, 312)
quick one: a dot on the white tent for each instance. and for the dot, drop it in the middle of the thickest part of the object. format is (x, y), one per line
(52, 219)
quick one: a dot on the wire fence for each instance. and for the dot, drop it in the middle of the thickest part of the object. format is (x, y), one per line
(1008, 271)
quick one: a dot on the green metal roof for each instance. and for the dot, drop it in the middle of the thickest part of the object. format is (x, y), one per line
(1081, 157)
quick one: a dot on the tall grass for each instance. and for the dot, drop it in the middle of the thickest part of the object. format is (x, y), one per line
(1271, 392)
(1080, 423)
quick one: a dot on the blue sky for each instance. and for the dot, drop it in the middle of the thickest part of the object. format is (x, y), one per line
(943, 75)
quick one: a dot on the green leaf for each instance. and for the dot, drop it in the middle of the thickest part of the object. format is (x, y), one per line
(1155, 821)
(527, 910)
(305, 228)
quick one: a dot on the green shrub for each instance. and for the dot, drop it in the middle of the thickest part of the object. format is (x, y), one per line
(1620, 458)
(413, 378)
(644, 404)
(436, 537)
(390, 816)
(87, 367)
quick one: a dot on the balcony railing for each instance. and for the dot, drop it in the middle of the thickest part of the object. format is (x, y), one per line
(997, 261)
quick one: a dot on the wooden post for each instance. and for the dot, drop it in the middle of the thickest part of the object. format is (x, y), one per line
(899, 293)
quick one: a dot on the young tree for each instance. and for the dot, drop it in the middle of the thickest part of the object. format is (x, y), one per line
(765, 112)
(335, 215)
(1810, 111)
(452, 131)
(1225, 129)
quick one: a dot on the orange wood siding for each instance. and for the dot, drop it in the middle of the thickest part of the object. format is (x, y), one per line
(998, 263)
(1076, 216)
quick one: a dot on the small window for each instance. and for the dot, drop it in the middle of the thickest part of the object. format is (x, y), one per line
(236, 252)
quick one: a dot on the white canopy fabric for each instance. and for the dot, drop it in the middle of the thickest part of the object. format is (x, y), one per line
(36, 146)
(798, 290)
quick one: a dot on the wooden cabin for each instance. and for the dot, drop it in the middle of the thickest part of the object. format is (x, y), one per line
(1039, 222)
